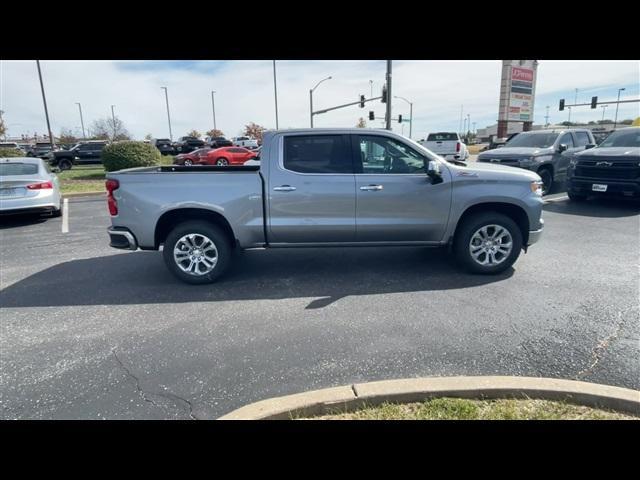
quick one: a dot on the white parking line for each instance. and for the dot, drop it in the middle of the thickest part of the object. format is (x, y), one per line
(65, 216)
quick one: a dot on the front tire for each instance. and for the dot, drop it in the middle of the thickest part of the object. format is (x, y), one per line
(546, 175)
(197, 252)
(487, 243)
(188, 163)
(64, 165)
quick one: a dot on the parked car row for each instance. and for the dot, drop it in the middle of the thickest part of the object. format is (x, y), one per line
(189, 144)
(217, 156)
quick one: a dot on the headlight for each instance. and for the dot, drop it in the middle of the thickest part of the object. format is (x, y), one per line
(542, 158)
(536, 187)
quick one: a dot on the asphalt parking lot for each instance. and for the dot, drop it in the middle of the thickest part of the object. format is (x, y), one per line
(89, 332)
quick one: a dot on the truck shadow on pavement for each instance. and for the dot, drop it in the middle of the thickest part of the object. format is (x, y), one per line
(326, 274)
(596, 207)
(21, 220)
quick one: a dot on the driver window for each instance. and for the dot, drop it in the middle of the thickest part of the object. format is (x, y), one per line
(385, 155)
(567, 140)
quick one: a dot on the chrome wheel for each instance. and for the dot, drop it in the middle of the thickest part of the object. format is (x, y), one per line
(222, 161)
(195, 254)
(490, 245)
(188, 163)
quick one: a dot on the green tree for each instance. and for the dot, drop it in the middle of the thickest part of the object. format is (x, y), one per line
(361, 123)
(214, 132)
(194, 133)
(254, 130)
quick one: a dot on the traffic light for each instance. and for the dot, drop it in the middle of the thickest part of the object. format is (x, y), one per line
(372, 115)
(561, 104)
(399, 118)
(594, 102)
(361, 101)
(384, 94)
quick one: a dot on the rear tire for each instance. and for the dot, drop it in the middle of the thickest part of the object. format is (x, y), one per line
(188, 163)
(222, 162)
(202, 241)
(498, 245)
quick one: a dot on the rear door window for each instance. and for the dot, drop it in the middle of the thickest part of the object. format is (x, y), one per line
(317, 154)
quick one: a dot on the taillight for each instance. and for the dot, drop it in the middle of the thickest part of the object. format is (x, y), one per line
(458, 147)
(40, 186)
(111, 201)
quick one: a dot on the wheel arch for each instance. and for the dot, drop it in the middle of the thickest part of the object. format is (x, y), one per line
(515, 212)
(170, 219)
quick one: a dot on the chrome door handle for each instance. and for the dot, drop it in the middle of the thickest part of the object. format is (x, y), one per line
(284, 188)
(371, 187)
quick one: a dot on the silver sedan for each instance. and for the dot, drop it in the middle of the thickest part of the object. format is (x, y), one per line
(28, 186)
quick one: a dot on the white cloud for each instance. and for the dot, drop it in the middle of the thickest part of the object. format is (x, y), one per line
(245, 93)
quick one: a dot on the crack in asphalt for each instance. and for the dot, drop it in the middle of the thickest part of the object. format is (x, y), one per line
(601, 348)
(143, 394)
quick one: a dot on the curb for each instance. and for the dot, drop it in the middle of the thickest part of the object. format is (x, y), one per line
(83, 194)
(351, 397)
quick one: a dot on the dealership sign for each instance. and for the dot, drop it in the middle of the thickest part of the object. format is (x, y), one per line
(517, 90)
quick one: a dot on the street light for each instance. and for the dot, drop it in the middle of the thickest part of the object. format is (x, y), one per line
(81, 120)
(311, 98)
(603, 107)
(615, 122)
(44, 101)
(166, 97)
(113, 116)
(410, 113)
(213, 105)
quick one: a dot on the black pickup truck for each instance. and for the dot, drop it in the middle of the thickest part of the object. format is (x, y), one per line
(84, 152)
(188, 144)
(610, 169)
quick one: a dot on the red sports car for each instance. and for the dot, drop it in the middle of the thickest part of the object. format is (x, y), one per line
(197, 157)
(229, 156)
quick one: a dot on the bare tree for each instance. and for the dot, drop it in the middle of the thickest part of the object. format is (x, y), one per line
(3, 128)
(106, 129)
(361, 123)
(214, 132)
(254, 130)
(148, 136)
(194, 133)
(67, 136)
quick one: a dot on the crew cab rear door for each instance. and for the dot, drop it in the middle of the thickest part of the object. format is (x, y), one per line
(311, 190)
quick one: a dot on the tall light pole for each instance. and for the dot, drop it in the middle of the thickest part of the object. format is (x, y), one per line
(311, 98)
(389, 96)
(166, 97)
(603, 107)
(546, 118)
(468, 123)
(44, 100)
(213, 106)
(113, 116)
(576, 99)
(615, 122)
(275, 91)
(569, 108)
(410, 113)
(371, 85)
(81, 120)
(460, 127)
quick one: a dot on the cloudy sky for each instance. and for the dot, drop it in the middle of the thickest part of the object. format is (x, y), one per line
(244, 93)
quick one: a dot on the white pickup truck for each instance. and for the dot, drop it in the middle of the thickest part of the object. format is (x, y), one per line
(245, 142)
(448, 145)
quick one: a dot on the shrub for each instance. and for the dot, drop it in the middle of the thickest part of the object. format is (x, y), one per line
(129, 154)
(11, 152)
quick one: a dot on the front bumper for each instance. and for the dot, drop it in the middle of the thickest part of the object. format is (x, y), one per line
(122, 238)
(584, 186)
(534, 235)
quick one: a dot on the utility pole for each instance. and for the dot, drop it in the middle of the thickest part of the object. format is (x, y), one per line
(166, 97)
(81, 120)
(569, 108)
(275, 91)
(46, 111)
(410, 113)
(460, 127)
(615, 122)
(604, 108)
(311, 98)
(389, 96)
(213, 106)
(546, 118)
(113, 116)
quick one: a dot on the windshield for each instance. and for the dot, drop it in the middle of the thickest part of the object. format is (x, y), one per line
(7, 169)
(534, 140)
(440, 137)
(622, 138)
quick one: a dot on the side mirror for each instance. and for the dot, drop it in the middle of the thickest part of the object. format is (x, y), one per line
(562, 147)
(589, 145)
(433, 171)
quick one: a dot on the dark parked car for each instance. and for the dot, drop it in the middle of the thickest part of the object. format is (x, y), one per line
(81, 153)
(612, 168)
(546, 152)
(40, 150)
(188, 144)
(164, 145)
(218, 142)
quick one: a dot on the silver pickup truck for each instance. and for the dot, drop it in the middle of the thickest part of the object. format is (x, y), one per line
(321, 188)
